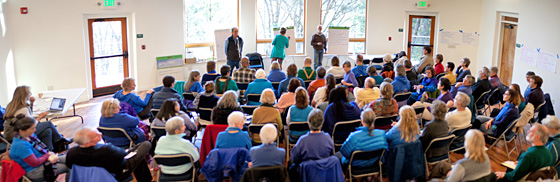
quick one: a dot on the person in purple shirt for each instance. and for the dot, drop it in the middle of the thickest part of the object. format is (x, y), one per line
(494, 79)
(444, 85)
(339, 109)
(315, 144)
(465, 86)
(349, 78)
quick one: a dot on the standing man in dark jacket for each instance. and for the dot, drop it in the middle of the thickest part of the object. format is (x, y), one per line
(319, 43)
(234, 48)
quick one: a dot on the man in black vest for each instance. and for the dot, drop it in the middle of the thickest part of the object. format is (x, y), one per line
(234, 48)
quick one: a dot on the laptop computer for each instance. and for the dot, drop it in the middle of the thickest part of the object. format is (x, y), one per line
(57, 105)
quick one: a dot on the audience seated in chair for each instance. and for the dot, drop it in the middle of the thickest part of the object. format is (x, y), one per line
(193, 83)
(365, 139)
(307, 73)
(169, 109)
(266, 113)
(112, 118)
(460, 117)
(368, 94)
(425, 61)
(322, 94)
(509, 113)
(410, 73)
(428, 85)
(224, 82)
(287, 99)
(336, 70)
(208, 100)
(339, 109)
(112, 158)
(388, 68)
(445, 96)
(494, 79)
(535, 158)
(267, 154)
(299, 111)
(406, 130)
(522, 103)
(32, 154)
(372, 72)
(349, 78)
(276, 74)
(435, 129)
(244, 74)
(21, 104)
(360, 69)
(168, 92)
(449, 72)
(476, 163)
(536, 95)
(283, 87)
(211, 74)
(174, 143)
(401, 83)
(316, 84)
(233, 137)
(553, 144)
(257, 86)
(385, 105)
(142, 107)
(465, 86)
(481, 86)
(463, 70)
(438, 67)
(226, 105)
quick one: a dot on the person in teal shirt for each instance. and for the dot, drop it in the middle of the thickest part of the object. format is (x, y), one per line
(373, 74)
(279, 43)
(553, 144)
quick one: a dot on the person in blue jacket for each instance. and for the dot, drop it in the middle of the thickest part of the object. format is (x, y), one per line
(509, 113)
(112, 118)
(339, 109)
(429, 84)
(142, 107)
(276, 74)
(257, 86)
(233, 137)
(406, 130)
(401, 83)
(365, 139)
(267, 154)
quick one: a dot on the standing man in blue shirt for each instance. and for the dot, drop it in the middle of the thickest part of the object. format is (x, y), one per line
(234, 48)
(360, 70)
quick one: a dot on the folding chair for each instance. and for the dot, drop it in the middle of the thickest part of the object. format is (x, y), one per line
(482, 98)
(253, 98)
(115, 133)
(402, 98)
(294, 126)
(537, 111)
(248, 109)
(361, 81)
(202, 123)
(338, 80)
(341, 131)
(375, 169)
(307, 83)
(5, 145)
(419, 110)
(275, 85)
(440, 75)
(384, 121)
(255, 128)
(154, 113)
(438, 143)
(242, 88)
(458, 142)
(172, 161)
(506, 138)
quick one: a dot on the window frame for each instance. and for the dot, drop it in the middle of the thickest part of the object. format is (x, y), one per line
(350, 39)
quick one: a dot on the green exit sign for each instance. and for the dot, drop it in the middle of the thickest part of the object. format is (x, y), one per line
(422, 4)
(109, 2)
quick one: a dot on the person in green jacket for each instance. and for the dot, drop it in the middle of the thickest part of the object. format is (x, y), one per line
(307, 72)
(536, 157)
(224, 82)
(279, 43)
(553, 125)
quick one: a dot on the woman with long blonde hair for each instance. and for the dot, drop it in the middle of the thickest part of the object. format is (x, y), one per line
(476, 164)
(21, 103)
(406, 130)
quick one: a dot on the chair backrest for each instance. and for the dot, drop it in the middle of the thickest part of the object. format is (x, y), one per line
(5, 145)
(419, 109)
(154, 113)
(545, 173)
(377, 60)
(492, 95)
(361, 81)
(367, 155)
(188, 96)
(307, 83)
(90, 173)
(205, 111)
(115, 133)
(338, 80)
(510, 127)
(255, 128)
(440, 142)
(385, 120)
(460, 132)
(242, 86)
(298, 126)
(402, 96)
(366, 61)
(275, 85)
(266, 173)
(342, 129)
(482, 97)
(248, 109)
(158, 131)
(254, 97)
(173, 160)
(537, 110)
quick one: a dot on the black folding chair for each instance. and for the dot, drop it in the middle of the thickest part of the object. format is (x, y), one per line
(115, 133)
(175, 160)
(294, 126)
(275, 85)
(361, 81)
(341, 131)
(459, 141)
(375, 169)
(482, 98)
(402, 98)
(536, 113)
(253, 97)
(419, 110)
(338, 80)
(385, 120)
(438, 143)
(256, 129)
(248, 109)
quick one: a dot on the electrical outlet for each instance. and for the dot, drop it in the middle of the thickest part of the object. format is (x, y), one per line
(50, 87)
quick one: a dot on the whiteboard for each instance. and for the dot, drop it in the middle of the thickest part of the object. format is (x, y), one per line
(338, 40)
(291, 50)
(220, 37)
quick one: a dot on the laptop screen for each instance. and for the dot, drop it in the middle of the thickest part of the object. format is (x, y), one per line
(58, 104)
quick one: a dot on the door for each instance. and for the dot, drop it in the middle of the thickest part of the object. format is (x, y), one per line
(109, 54)
(509, 36)
(420, 34)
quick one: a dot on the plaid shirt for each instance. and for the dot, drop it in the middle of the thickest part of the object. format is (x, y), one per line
(243, 75)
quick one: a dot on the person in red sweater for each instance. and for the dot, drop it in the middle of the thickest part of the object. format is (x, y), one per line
(439, 67)
(320, 82)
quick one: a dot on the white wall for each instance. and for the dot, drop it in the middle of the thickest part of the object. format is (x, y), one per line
(7, 78)
(538, 28)
(51, 47)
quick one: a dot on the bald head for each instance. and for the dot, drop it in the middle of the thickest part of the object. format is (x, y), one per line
(87, 137)
(307, 62)
(359, 59)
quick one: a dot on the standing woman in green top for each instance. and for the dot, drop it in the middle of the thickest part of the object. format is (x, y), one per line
(279, 43)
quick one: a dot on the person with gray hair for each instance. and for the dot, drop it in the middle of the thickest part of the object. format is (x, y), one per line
(463, 69)
(90, 152)
(365, 139)
(535, 158)
(481, 86)
(435, 129)
(174, 143)
(233, 48)
(401, 83)
(266, 113)
(369, 93)
(226, 105)
(257, 86)
(315, 144)
(267, 154)
(494, 79)
(460, 117)
(553, 145)
(234, 137)
(464, 86)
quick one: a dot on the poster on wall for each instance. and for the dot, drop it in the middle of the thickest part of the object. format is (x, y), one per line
(170, 65)
(338, 40)
(220, 37)
(547, 61)
(291, 50)
(529, 55)
(470, 38)
(451, 37)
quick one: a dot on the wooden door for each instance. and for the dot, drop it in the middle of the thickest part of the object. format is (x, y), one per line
(109, 54)
(509, 36)
(420, 34)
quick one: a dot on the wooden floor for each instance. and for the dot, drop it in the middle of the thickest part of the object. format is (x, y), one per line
(91, 111)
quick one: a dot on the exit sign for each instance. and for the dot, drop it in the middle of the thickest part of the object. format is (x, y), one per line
(422, 4)
(109, 3)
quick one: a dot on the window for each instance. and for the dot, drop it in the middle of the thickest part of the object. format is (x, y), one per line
(349, 14)
(202, 17)
(279, 13)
